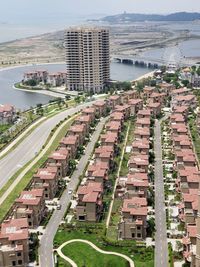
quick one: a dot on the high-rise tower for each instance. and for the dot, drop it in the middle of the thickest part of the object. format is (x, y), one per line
(87, 58)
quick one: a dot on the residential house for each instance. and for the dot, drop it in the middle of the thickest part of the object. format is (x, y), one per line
(133, 221)
(31, 205)
(89, 202)
(14, 243)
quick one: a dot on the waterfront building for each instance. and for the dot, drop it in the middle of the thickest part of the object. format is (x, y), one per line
(87, 59)
(7, 114)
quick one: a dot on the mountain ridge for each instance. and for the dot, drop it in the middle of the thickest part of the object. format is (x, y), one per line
(137, 17)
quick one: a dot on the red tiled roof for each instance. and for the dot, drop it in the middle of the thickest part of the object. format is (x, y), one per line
(192, 230)
(14, 229)
(69, 140)
(135, 206)
(31, 197)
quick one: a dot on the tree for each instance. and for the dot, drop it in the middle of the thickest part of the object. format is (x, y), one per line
(59, 101)
(198, 71)
(31, 82)
(77, 99)
(72, 165)
(67, 97)
(30, 115)
(151, 226)
(179, 245)
(185, 82)
(193, 68)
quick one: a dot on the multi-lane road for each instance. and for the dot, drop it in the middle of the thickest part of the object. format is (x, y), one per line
(46, 244)
(161, 247)
(31, 145)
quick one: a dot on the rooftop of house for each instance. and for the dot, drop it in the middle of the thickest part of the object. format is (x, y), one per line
(90, 191)
(192, 230)
(98, 166)
(156, 94)
(139, 160)
(113, 125)
(60, 154)
(180, 138)
(184, 152)
(99, 173)
(6, 108)
(69, 140)
(180, 98)
(89, 110)
(142, 131)
(132, 102)
(144, 121)
(14, 229)
(114, 97)
(48, 173)
(177, 117)
(148, 89)
(31, 197)
(144, 112)
(193, 202)
(154, 105)
(100, 103)
(122, 108)
(135, 206)
(180, 91)
(109, 137)
(103, 149)
(180, 109)
(188, 171)
(137, 182)
(83, 118)
(140, 144)
(77, 128)
(138, 175)
(117, 116)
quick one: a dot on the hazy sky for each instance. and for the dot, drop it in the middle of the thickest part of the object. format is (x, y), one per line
(34, 8)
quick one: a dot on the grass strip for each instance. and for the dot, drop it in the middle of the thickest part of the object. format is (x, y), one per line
(6, 205)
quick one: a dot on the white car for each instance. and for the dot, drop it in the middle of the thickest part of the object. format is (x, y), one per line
(70, 191)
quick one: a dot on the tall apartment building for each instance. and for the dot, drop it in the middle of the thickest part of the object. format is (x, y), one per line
(87, 59)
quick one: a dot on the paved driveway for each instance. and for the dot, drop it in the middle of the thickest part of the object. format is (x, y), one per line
(46, 247)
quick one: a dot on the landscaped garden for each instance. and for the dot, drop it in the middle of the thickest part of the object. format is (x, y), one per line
(142, 256)
(84, 255)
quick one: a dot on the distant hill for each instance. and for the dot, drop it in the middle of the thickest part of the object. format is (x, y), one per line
(133, 17)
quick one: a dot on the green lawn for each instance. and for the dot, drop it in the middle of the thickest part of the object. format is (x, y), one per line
(4, 127)
(84, 255)
(142, 257)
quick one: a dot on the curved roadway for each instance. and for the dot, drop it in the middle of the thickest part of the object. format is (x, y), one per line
(27, 149)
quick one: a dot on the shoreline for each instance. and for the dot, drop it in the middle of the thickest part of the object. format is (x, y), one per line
(29, 65)
(51, 93)
(145, 76)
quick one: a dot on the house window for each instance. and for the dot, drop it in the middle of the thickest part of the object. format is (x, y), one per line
(19, 254)
(138, 227)
(46, 195)
(13, 263)
(133, 235)
(29, 216)
(81, 218)
(19, 262)
(139, 235)
(29, 223)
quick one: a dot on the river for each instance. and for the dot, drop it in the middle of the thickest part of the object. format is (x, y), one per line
(24, 100)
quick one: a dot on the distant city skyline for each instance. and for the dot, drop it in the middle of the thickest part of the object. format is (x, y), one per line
(46, 8)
